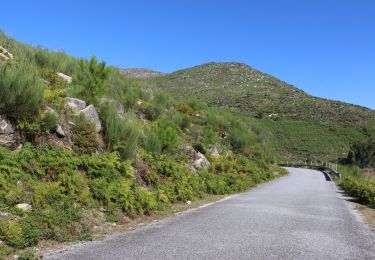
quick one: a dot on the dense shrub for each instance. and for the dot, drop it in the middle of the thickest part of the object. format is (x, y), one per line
(56, 181)
(49, 121)
(209, 136)
(162, 99)
(151, 111)
(55, 61)
(196, 104)
(21, 91)
(182, 120)
(362, 153)
(90, 79)
(218, 120)
(151, 142)
(121, 133)
(84, 137)
(161, 137)
(363, 189)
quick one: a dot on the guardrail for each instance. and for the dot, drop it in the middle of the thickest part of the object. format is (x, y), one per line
(324, 166)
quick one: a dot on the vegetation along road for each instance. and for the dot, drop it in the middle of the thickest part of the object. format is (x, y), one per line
(300, 216)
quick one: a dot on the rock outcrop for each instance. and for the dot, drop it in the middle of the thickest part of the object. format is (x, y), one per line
(89, 112)
(198, 159)
(214, 152)
(24, 207)
(201, 161)
(64, 77)
(75, 103)
(60, 131)
(9, 137)
(92, 116)
(5, 54)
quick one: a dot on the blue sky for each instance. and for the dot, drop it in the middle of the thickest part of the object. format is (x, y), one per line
(325, 47)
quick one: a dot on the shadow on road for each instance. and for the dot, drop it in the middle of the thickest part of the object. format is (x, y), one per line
(347, 197)
(327, 177)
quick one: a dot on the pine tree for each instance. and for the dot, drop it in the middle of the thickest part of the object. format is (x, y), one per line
(91, 78)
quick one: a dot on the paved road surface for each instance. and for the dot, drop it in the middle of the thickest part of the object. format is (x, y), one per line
(300, 216)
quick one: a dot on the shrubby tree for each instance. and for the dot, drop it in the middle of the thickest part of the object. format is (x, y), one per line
(362, 153)
(91, 79)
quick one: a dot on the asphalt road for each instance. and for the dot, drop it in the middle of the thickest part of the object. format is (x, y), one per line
(300, 216)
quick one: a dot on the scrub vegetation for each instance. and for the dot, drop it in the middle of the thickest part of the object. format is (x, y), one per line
(152, 151)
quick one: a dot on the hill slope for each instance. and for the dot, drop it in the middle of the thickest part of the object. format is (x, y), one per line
(140, 73)
(236, 85)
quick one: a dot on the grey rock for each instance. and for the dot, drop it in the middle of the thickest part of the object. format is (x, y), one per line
(92, 116)
(66, 78)
(198, 159)
(9, 137)
(75, 103)
(24, 206)
(201, 161)
(5, 54)
(4, 214)
(59, 131)
(214, 152)
(188, 150)
(19, 148)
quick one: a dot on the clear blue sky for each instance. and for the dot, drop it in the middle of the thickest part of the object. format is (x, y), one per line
(325, 47)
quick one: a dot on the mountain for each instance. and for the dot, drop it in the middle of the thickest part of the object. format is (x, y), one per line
(295, 124)
(243, 88)
(140, 73)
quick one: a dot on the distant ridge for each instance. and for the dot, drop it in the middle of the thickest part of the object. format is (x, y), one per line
(238, 86)
(140, 73)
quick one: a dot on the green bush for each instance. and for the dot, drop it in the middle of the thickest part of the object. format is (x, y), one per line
(217, 119)
(196, 104)
(362, 189)
(161, 138)
(151, 111)
(182, 120)
(151, 142)
(90, 79)
(85, 140)
(162, 99)
(49, 121)
(121, 134)
(55, 61)
(21, 91)
(362, 153)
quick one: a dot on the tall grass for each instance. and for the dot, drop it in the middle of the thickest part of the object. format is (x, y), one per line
(21, 91)
(56, 61)
(162, 137)
(121, 133)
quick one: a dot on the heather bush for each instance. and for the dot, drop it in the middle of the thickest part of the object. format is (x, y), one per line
(121, 133)
(162, 137)
(21, 91)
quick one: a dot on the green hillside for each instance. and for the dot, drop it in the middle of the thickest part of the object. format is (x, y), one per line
(297, 125)
(81, 148)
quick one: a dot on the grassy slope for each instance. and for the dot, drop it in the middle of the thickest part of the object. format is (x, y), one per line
(144, 161)
(302, 126)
